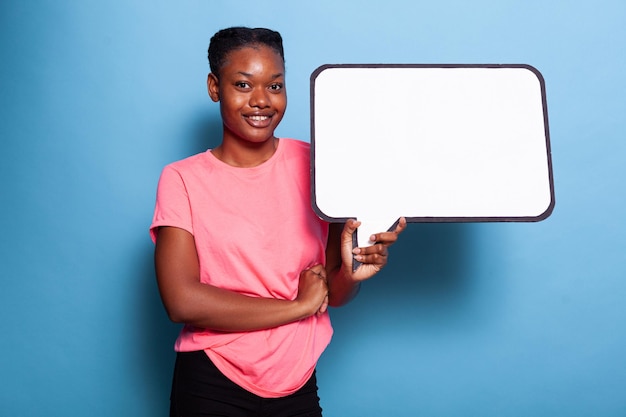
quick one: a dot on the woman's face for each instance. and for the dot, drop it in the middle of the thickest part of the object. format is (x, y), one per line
(252, 95)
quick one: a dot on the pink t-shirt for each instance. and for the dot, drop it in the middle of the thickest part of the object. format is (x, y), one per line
(254, 231)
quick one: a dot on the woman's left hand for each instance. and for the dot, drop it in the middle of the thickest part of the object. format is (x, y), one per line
(372, 258)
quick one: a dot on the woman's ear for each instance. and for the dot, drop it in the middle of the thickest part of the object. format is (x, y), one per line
(213, 87)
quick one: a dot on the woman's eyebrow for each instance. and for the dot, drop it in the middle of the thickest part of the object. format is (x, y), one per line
(247, 74)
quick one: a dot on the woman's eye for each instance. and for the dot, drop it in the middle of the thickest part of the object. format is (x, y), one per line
(276, 87)
(242, 84)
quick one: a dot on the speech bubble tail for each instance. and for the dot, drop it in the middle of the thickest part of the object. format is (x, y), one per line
(369, 227)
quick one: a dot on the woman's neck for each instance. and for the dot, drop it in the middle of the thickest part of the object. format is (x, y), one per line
(246, 154)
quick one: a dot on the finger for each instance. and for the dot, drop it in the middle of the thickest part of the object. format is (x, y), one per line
(390, 237)
(374, 259)
(378, 248)
(324, 307)
(386, 238)
(348, 242)
(349, 228)
(400, 226)
(318, 269)
(351, 225)
(322, 274)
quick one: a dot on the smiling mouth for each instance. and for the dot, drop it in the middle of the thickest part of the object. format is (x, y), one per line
(259, 121)
(258, 118)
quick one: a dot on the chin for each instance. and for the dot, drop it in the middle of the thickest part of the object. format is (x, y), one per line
(258, 138)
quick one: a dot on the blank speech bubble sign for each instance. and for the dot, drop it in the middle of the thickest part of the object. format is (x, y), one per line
(432, 143)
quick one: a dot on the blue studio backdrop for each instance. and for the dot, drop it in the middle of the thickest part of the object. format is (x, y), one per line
(482, 319)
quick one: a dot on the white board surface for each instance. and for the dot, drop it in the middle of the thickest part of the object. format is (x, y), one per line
(431, 143)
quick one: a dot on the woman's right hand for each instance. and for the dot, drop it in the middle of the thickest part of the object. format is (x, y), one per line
(313, 290)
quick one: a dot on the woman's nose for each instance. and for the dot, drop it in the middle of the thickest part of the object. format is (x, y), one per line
(259, 98)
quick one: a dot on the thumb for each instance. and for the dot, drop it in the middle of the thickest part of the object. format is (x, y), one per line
(348, 242)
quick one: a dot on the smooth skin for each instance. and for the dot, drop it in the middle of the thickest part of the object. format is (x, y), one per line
(250, 88)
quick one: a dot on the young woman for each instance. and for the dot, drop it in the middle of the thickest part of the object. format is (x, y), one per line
(241, 258)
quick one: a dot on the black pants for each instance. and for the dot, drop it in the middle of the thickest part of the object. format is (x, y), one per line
(200, 389)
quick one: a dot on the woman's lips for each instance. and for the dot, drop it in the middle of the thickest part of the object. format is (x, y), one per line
(259, 120)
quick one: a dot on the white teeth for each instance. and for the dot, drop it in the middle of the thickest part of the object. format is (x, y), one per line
(259, 118)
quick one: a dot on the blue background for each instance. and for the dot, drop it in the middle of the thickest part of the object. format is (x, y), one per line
(468, 319)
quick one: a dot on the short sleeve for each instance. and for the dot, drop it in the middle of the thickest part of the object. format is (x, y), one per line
(172, 203)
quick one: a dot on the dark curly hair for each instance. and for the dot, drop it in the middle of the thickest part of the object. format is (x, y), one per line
(230, 39)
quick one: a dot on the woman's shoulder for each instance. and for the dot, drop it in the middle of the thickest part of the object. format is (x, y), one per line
(296, 145)
(189, 163)
(296, 155)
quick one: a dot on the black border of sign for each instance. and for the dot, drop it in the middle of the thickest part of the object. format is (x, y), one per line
(540, 217)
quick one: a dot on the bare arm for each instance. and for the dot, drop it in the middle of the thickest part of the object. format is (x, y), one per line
(343, 282)
(189, 301)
